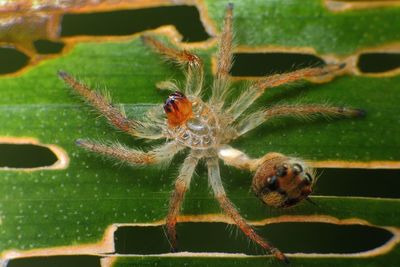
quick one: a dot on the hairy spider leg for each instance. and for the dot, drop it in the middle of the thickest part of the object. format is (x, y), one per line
(224, 60)
(113, 114)
(238, 159)
(255, 90)
(131, 156)
(194, 72)
(182, 184)
(168, 85)
(219, 192)
(257, 118)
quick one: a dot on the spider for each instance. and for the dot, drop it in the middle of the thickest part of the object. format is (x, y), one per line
(206, 127)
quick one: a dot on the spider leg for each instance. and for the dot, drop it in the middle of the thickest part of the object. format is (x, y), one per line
(194, 72)
(236, 158)
(231, 211)
(224, 60)
(257, 89)
(181, 186)
(113, 114)
(167, 85)
(131, 156)
(253, 120)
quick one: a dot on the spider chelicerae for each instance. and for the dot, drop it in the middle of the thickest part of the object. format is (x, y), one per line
(205, 128)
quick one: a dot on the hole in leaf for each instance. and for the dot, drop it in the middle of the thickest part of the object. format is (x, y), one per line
(48, 47)
(291, 237)
(11, 60)
(26, 156)
(378, 62)
(125, 22)
(56, 261)
(261, 64)
(358, 182)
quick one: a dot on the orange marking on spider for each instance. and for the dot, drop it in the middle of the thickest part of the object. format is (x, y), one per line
(178, 109)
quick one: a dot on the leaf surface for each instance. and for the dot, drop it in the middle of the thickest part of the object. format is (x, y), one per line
(74, 206)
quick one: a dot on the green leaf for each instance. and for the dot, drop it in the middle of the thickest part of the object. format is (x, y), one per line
(68, 207)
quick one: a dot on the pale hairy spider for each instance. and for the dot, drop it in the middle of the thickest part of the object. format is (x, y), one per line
(205, 128)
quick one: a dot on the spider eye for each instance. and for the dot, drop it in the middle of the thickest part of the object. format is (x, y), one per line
(177, 94)
(297, 168)
(308, 178)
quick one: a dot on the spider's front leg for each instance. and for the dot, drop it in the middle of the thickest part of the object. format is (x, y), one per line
(114, 115)
(194, 72)
(224, 60)
(181, 186)
(219, 192)
(131, 156)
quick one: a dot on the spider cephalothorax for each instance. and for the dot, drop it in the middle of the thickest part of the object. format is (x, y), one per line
(205, 127)
(191, 122)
